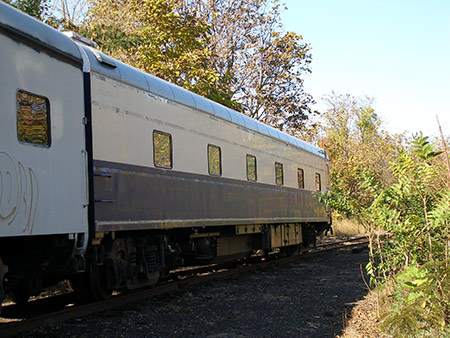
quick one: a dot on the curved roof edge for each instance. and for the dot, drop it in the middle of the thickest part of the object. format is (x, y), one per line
(137, 78)
(26, 26)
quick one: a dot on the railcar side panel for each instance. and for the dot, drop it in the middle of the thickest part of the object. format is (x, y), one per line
(43, 186)
(131, 193)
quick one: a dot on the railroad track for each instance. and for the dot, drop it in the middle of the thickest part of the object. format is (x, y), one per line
(178, 280)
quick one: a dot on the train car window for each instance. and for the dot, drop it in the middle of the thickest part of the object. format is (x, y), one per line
(301, 178)
(279, 173)
(214, 160)
(318, 183)
(251, 168)
(33, 119)
(327, 173)
(162, 149)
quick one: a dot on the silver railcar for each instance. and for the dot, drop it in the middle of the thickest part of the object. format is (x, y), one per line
(111, 177)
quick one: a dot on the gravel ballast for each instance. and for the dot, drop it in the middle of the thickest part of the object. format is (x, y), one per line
(308, 298)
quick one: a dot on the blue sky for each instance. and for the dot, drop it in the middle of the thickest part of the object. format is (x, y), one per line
(396, 51)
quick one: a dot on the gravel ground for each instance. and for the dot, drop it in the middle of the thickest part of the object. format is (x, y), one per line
(309, 298)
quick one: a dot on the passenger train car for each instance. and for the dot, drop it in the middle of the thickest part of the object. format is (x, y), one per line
(111, 177)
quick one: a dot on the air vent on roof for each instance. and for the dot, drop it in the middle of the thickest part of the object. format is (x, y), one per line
(80, 38)
(103, 59)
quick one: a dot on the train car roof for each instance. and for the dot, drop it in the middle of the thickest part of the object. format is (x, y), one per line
(26, 27)
(105, 65)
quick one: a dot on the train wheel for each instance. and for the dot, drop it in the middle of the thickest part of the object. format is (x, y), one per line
(3, 271)
(79, 286)
(20, 298)
(97, 282)
(20, 295)
(291, 250)
(91, 285)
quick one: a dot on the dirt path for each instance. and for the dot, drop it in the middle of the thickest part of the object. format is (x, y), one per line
(307, 299)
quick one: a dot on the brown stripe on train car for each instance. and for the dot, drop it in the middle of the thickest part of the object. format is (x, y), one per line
(134, 197)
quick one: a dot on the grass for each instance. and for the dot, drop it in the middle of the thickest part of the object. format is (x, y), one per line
(363, 320)
(347, 227)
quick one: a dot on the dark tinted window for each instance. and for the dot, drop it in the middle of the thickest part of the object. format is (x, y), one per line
(301, 178)
(162, 149)
(214, 160)
(278, 173)
(33, 119)
(318, 183)
(251, 168)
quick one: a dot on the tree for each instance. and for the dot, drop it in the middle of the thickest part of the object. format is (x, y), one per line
(271, 87)
(360, 153)
(261, 64)
(69, 12)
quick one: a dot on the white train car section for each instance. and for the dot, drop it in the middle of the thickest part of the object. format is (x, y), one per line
(43, 185)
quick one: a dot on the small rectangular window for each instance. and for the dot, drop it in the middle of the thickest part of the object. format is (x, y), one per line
(162, 149)
(214, 160)
(318, 184)
(33, 119)
(300, 178)
(278, 173)
(327, 173)
(251, 168)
